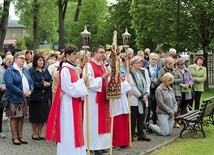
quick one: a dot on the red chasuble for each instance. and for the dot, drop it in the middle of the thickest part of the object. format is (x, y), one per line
(103, 103)
(53, 123)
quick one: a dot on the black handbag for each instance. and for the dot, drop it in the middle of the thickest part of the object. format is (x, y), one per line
(4, 103)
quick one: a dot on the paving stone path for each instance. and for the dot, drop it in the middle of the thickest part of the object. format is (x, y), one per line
(43, 147)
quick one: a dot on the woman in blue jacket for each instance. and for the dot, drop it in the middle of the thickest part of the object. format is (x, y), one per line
(38, 105)
(19, 86)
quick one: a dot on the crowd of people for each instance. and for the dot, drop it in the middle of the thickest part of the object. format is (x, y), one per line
(56, 88)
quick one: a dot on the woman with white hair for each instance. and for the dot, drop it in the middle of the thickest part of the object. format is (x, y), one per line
(8, 60)
(166, 107)
(153, 70)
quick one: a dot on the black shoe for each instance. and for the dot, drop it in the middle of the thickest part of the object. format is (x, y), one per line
(16, 143)
(143, 138)
(96, 153)
(116, 148)
(35, 138)
(42, 138)
(92, 152)
(22, 141)
(101, 152)
(104, 151)
(148, 129)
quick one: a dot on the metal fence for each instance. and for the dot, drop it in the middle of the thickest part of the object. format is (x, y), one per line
(210, 69)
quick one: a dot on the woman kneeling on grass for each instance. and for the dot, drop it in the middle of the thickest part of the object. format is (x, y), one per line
(166, 107)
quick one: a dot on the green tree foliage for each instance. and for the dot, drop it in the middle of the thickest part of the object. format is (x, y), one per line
(200, 23)
(47, 19)
(155, 23)
(21, 43)
(119, 14)
(93, 12)
(201, 20)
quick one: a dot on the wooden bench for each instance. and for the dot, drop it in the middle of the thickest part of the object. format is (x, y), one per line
(196, 119)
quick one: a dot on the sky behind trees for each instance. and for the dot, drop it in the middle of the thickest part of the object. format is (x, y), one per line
(12, 15)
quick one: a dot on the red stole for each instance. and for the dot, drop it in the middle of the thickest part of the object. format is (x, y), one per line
(103, 103)
(53, 123)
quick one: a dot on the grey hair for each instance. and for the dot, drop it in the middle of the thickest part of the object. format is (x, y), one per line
(18, 54)
(180, 60)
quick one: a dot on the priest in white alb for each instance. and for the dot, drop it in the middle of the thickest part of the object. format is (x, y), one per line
(65, 122)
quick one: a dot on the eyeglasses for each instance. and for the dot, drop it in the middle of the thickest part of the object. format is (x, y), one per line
(181, 64)
(102, 52)
(154, 59)
(21, 58)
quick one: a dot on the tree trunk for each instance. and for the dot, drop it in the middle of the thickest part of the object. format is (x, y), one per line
(4, 22)
(35, 25)
(62, 6)
(206, 83)
(76, 17)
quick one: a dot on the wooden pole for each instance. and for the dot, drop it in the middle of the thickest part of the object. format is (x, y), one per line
(87, 107)
(112, 126)
(127, 74)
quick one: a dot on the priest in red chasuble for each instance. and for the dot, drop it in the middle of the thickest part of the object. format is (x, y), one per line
(99, 110)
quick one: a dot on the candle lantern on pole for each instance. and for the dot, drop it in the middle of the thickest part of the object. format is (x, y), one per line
(85, 35)
(126, 36)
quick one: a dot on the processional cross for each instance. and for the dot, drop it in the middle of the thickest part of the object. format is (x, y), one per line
(114, 86)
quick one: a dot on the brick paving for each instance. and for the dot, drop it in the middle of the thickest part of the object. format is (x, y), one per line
(43, 147)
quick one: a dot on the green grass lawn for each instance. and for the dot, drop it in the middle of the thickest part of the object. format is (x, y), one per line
(191, 145)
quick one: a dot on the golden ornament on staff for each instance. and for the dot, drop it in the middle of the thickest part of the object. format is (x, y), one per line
(85, 35)
(114, 87)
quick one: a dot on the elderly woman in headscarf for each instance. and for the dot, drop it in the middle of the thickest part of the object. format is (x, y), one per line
(139, 97)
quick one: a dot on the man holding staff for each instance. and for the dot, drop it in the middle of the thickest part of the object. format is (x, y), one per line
(98, 104)
(65, 119)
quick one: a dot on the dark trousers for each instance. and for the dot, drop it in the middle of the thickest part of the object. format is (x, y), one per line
(1, 113)
(138, 118)
(197, 99)
(184, 103)
(1, 116)
(152, 106)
